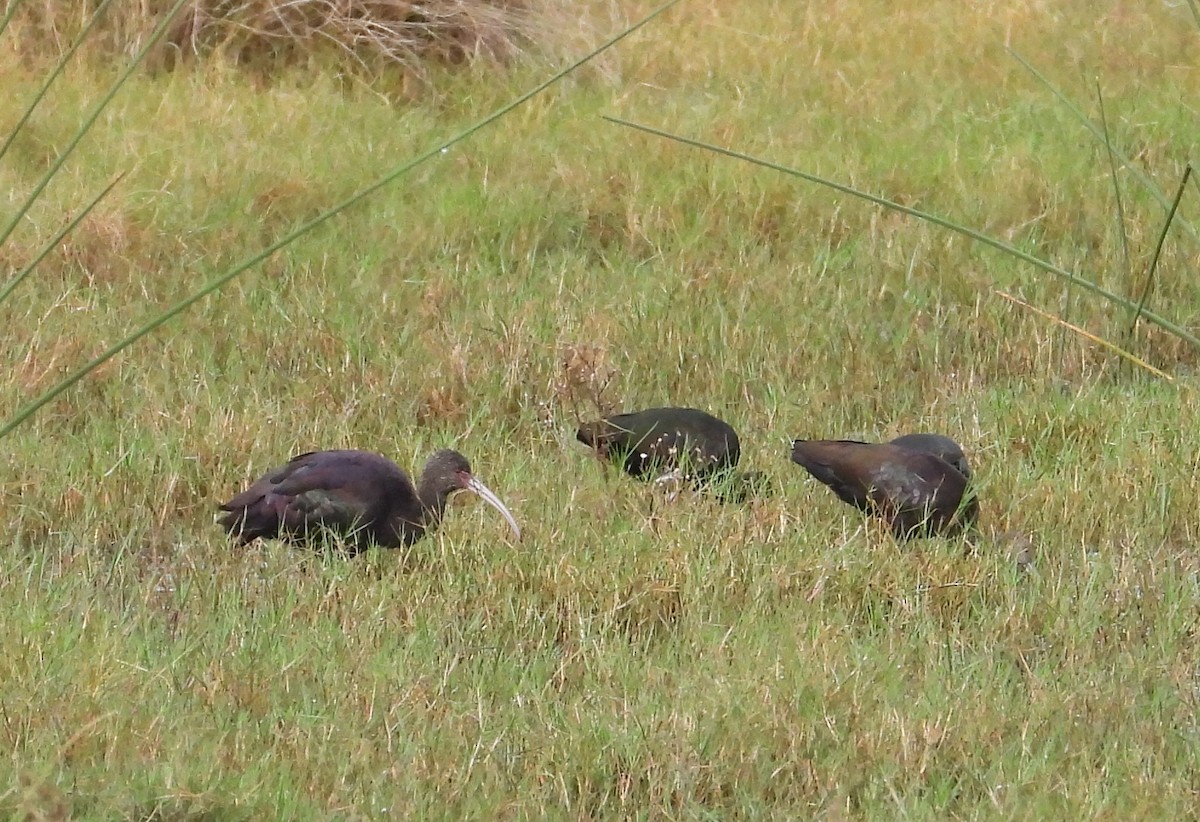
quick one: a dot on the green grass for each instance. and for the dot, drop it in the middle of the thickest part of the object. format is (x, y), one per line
(630, 657)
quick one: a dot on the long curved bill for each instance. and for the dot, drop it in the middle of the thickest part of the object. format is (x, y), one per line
(491, 499)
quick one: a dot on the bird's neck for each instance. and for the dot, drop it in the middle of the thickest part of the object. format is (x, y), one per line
(403, 530)
(433, 504)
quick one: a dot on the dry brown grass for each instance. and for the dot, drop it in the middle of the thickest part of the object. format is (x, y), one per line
(367, 35)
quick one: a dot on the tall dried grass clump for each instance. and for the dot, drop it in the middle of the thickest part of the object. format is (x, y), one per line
(372, 34)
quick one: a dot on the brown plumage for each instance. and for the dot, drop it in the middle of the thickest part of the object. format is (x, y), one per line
(359, 497)
(668, 443)
(917, 493)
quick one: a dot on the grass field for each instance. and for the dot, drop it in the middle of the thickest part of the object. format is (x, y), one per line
(631, 657)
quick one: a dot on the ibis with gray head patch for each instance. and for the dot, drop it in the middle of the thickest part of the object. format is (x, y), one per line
(357, 497)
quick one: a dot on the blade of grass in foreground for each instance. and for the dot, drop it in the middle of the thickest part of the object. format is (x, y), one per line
(1075, 279)
(53, 75)
(57, 238)
(1129, 165)
(10, 14)
(1195, 12)
(1162, 238)
(1116, 349)
(90, 120)
(1116, 184)
(186, 303)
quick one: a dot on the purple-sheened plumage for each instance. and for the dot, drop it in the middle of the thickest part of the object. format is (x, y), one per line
(360, 497)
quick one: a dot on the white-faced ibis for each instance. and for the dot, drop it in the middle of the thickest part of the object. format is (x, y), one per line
(362, 498)
(674, 443)
(938, 445)
(916, 492)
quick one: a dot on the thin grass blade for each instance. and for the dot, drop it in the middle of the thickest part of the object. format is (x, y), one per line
(10, 14)
(53, 75)
(1075, 279)
(1116, 184)
(90, 120)
(1162, 238)
(1137, 173)
(1195, 12)
(216, 283)
(1116, 349)
(58, 238)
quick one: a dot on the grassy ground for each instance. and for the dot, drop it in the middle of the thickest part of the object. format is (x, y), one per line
(630, 656)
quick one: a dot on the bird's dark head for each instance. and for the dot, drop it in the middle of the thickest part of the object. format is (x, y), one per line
(801, 449)
(449, 469)
(940, 446)
(448, 472)
(595, 434)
